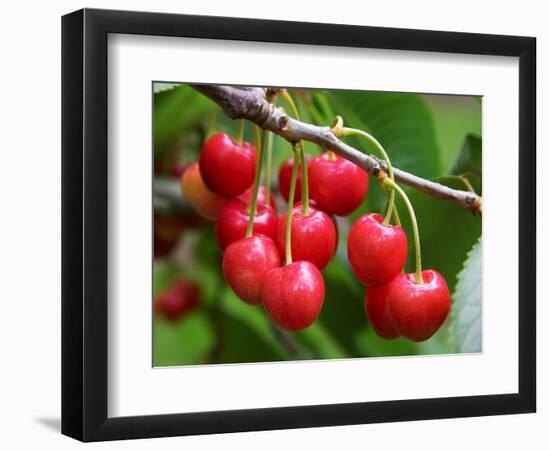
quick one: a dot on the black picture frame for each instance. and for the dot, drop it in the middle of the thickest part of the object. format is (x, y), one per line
(84, 224)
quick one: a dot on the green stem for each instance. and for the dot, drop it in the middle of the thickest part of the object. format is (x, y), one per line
(240, 132)
(418, 258)
(305, 188)
(291, 103)
(288, 237)
(256, 187)
(268, 168)
(305, 184)
(373, 140)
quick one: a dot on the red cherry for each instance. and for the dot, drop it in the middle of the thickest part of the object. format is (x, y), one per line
(194, 191)
(285, 174)
(227, 168)
(376, 308)
(247, 197)
(247, 262)
(313, 236)
(233, 221)
(293, 295)
(338, 185)
(181, 298)
(377, 252)
(417, 311)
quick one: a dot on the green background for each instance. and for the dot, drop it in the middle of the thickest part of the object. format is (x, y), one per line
(433, 136)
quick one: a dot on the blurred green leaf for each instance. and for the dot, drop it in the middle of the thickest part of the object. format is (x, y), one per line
(184, 342)
(468, 163)
(175, 111)
(466, 310)
(161, 87)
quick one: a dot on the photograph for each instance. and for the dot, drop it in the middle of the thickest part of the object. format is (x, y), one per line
(295, 223)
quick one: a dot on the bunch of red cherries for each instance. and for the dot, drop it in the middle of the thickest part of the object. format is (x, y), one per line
(277, 261)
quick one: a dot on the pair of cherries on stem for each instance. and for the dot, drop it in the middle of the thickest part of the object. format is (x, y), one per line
(397, 304)
(292, 295)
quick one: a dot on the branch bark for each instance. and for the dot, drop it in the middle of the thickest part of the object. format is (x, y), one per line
(251, 104)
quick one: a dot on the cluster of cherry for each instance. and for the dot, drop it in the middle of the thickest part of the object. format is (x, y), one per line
(223, 186)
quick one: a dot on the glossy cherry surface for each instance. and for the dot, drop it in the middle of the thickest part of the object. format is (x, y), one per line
(338, 185)
(313, 237)
(247, 262)
(198, 196)
(227, 168)
(376, 309)
(233, 221)
(178, 300)
(247, 197)
(293, 295)
(285, 175)
(418, 310)
(377, 252)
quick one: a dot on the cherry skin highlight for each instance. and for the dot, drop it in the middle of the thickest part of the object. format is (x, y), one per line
(233, 222)
(285, 175)
(376, 309)
(337, 185)
(377, 252)
(227, 168)
(293, 295)
(247, 197)
(313, 237)
(417, 311)
(246, 263)
(197, 195)
(182, 297)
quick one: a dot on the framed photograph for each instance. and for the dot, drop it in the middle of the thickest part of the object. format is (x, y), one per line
(273, 224)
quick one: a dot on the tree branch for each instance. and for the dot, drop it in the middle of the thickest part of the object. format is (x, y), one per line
(251, 104)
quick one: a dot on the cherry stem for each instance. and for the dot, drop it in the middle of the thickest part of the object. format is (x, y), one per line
(290, 207)
(305, 184)
(240, 132)
(256, 186)
(305, 188)
(391, 199)
(392, 184)
(268, 168)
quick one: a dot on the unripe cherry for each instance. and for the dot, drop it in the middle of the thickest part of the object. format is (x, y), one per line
(198, 196)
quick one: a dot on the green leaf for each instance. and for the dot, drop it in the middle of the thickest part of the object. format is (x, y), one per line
(468, 163)
(401, 122)
(176, 112)
(469, 158)
(161, 87)
(466, 310)
(184, 342)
